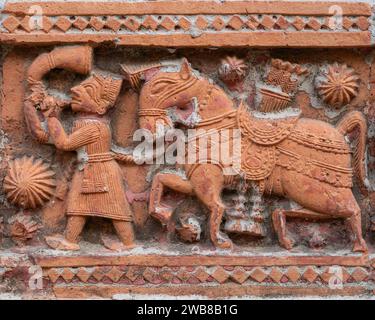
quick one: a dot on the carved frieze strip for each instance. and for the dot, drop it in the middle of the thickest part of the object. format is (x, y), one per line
(188, 23)
(140, 275)
(79, 291)
(201, 260)
(230, 39)
(161, 24)
(190, 7)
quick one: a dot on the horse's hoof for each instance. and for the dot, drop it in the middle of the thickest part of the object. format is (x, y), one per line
(360, 246)
(287, 244)
(223, 242)
(163, 214)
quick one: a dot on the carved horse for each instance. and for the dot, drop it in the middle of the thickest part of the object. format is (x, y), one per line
(307, 161)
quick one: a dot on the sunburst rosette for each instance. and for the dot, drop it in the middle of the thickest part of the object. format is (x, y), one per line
(232, 70)
(29, 183)
(338, 86)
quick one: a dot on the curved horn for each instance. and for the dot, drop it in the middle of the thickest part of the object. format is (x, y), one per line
(78, 59)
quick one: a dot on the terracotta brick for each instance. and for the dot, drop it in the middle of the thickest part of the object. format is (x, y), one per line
(150, 23)
(310, 274)
(347, 23)
(314, 24)
(184, 23)
(183, 275)
(220, 275)
(282, 23)
(235, 23)
(47, 24)
(201, 274)
(239, 275)
(258, 274)
(252, 23)
(201, 23)
(97, 23)
(276, 274)
(359, 274)
(98, 273)
(363, 23)
(132, 274)
(11, 23)
(218, 23)
(168, 24)
(149, 274)
(25, 24)
(299, 23)
(68, 274)
(83, 274)
(132, 24)
(63, 24)
(80, 23)
(53, 274)
(113, 23)
(114, 274)
(293, 273)
(267, 22)
(166, 274)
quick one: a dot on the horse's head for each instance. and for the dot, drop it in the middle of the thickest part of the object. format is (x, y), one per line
(171, 97)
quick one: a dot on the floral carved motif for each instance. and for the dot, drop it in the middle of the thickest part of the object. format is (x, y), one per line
(29, 183)
(339, 85)
(22, 228)
(232, 70)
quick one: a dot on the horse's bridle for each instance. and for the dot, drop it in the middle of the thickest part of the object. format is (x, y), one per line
(162, 113)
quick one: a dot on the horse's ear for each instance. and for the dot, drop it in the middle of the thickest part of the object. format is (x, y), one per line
(185, 71)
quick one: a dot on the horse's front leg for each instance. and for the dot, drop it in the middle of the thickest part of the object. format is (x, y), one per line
(159, 211)
(208, 182)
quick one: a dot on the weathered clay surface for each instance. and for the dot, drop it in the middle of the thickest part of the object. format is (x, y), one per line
(83, 216)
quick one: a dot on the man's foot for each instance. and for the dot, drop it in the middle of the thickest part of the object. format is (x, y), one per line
(112, 243)
(58, 242)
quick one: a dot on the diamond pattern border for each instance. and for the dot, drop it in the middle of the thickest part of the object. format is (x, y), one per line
(218, 274)
(179, 23)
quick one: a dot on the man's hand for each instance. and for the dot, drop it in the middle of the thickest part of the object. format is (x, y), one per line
(51, 107)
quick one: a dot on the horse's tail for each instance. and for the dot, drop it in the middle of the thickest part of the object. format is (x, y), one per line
(351, 121)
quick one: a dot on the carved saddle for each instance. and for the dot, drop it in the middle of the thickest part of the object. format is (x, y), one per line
(260, 135)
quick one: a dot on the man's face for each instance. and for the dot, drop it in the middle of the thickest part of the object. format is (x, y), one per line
(83, 96)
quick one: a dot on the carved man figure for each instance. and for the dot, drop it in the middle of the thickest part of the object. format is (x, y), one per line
(97, 187)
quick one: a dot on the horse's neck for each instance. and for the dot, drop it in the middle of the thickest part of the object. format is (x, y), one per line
(214, 102)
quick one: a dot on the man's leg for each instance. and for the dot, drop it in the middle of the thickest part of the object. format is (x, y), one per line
(74, 228)
(125, 231)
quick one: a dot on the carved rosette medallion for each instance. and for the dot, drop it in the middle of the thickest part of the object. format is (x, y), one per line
(29, 183)
(338, 86)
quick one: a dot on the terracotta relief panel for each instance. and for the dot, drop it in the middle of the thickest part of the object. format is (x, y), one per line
(187, 148)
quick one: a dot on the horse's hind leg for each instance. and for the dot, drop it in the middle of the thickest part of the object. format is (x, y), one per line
(279, 222)
(356, 226)
(174, 182)
(325, 200)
